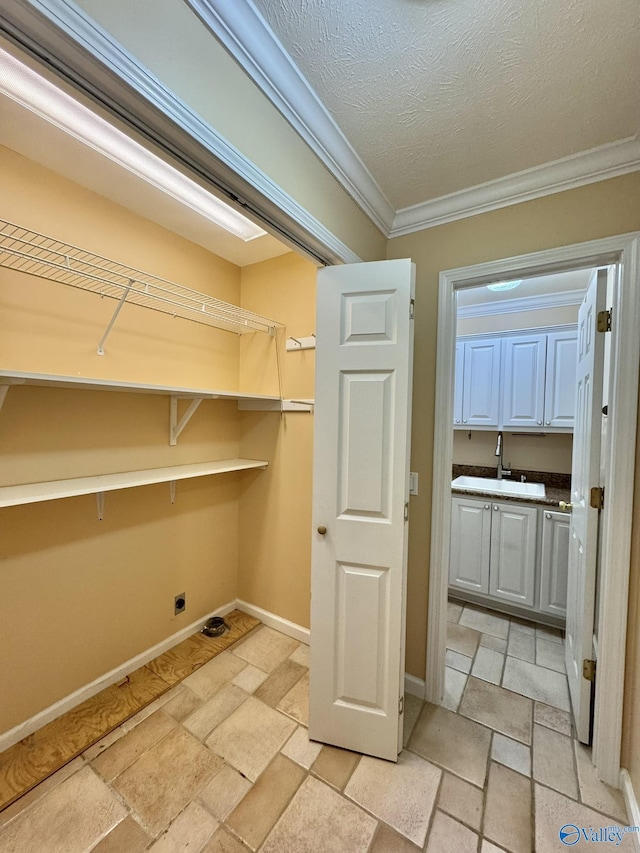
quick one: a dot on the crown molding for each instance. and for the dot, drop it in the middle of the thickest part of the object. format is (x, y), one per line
(59, 33)
(524, 303)
(586, 167)
(253, 44)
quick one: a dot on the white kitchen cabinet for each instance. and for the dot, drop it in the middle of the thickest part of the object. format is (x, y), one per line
(481, 383)
(523, 400)
(554, 562)
(512, 572)
(459, 378)
(470, 544)
(560, 386)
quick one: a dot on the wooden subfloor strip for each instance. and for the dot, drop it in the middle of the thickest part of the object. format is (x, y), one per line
(29, 762)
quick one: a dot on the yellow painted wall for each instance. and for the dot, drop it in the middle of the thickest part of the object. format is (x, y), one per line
(172, 42)
(80, 596)
(598, 210)
(275, 508)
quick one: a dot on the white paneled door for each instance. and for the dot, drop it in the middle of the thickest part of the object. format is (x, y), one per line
(585, 474)
(360, 505)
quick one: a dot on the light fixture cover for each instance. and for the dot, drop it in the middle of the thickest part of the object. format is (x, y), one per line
(505, 285)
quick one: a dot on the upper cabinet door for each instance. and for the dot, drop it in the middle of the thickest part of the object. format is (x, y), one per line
(362, 432)
(560, 393)
(481, 384)
(459, 377)
(524, 366)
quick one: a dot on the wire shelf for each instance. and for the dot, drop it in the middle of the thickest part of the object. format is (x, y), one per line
(44, 257)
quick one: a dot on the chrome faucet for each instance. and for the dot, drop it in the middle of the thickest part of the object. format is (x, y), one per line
(502, 470)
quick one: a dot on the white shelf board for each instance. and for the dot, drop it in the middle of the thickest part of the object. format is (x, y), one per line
(46, 380)
(55, 489)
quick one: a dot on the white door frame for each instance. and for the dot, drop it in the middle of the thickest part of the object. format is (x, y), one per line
(617, 518)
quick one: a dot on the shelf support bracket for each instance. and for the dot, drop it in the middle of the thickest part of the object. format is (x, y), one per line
(3, 394)
(176, 426)
(172, 491)
(100, 505)
(121, 302)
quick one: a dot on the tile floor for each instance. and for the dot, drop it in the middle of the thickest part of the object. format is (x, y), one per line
(223, 763)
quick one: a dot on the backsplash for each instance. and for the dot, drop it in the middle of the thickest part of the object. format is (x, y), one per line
(525, 452)
(551, 480)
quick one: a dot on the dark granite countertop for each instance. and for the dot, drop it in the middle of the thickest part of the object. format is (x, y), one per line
(557, 486)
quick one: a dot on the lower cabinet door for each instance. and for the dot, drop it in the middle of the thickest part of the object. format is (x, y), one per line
(513, 553)
(554, 563)
(470, 544)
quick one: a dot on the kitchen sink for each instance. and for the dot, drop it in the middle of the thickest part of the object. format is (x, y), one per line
(504, 488)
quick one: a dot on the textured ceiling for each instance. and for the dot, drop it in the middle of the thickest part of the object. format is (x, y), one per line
(440, 95)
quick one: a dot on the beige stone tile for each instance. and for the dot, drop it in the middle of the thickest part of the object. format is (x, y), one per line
(300, 749)
(486, 623)
(128, 749)
(522, 625)
(148, 710)
(250, 678)
(554, 810)
(183, 703)
(104, 743)
(401, 794)
(296, 702)
(250, 737)
(387, 840)
(454, 684)
(190, 831)
(412, 708)
(552, 718)
(455, 660)
(522, 645)
(70, 818)
(335, 765)
(536, 682)
(255, 816)
(546, 632)
(209, 715)
(318, 818)
(166, 777)
(224, 792)
(511, 753)
(488, 665)
(454, 610)
(280, 682)
(496, 644)
(453, 742)
(127, 837)
(488, 847)
(449, 836)
(497, 708)
(462, 640)
(550, 654)
(266, 649)
(507, 817)
(34, 794)
(553, 761)
(301, 655)
(207, 680)
(224, 842)
(595, 793)
(461, 800)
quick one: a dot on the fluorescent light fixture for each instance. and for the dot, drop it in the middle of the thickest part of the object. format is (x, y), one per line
(504, 285)
(24, 86)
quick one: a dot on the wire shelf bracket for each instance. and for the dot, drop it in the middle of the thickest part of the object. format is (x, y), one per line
(45, 257)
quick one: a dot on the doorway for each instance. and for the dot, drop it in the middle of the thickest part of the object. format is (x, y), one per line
(617, 516)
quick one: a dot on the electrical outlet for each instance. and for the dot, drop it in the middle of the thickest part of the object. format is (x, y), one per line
(180, 603)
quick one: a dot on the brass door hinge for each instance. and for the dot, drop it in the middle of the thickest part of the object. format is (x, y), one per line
(604, 321)
(589, 669)
(597, 497)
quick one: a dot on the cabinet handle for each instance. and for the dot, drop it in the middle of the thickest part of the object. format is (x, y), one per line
(464, 421)
(487, 506)
(457, 420)
(547, 515)
(548, 423)
(496, 507)
(540, 423)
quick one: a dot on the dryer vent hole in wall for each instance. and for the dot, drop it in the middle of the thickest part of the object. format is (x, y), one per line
(180, 603)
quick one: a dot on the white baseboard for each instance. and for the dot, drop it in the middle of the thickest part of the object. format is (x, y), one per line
(414, 686)
(291, 629)
(22, 730)
(631, 802)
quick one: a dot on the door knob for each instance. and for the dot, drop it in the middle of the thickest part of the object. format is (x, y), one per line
(322, 530)
(565, 505)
